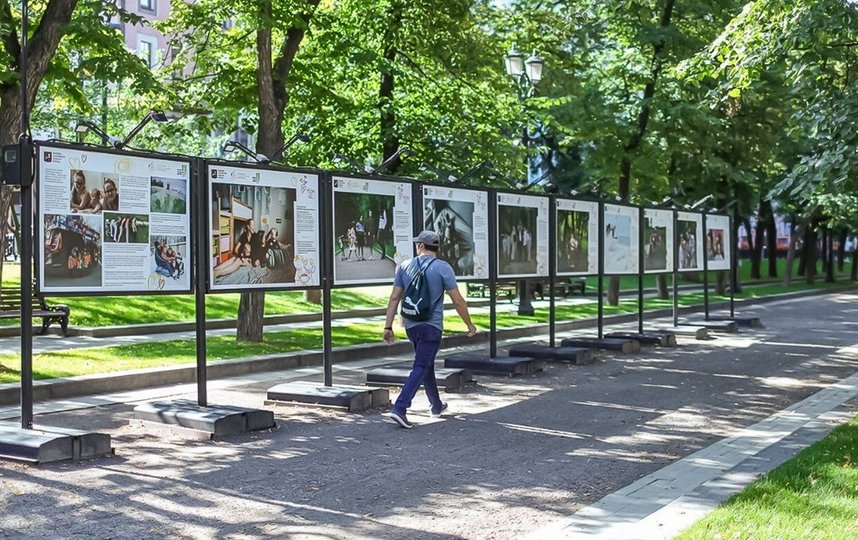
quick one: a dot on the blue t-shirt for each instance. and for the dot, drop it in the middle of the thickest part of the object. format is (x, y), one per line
(440, 278)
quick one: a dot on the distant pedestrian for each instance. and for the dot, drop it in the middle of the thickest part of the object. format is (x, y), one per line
(425, 336)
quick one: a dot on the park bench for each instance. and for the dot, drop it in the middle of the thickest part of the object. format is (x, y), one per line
(481, 290)
(10, 308)
(562, 287)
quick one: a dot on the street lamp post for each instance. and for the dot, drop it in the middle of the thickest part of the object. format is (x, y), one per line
(527, 74)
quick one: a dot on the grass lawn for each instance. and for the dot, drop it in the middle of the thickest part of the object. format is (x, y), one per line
(814, 495)
(182, 352)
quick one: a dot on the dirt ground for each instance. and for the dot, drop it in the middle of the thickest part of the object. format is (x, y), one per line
(512, 454)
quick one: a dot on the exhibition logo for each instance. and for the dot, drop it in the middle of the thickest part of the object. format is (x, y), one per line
(47, 157)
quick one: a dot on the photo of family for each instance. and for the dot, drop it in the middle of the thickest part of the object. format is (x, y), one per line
(573, 241)
(168, 255)
(168, 195)
(363, 236)
(618, 244)
(126, 228)
(517, 240)
(253, 234)
(453, 221)
(715, 245)
(72, 250)
(686, 235)
(92, 192)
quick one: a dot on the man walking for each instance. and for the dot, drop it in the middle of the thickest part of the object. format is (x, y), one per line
(425, 336)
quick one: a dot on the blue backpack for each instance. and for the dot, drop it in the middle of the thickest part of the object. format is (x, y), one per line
(417, 301)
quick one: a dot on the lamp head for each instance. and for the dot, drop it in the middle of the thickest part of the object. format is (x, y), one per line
(534, 66)
(514, 62)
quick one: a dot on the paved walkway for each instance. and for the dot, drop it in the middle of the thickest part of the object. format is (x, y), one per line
(633, 447)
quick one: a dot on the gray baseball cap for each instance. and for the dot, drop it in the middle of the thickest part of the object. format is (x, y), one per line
(428, 238)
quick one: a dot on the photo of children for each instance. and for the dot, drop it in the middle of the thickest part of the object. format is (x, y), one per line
(168, 255)
(517, 240)
(363, 236)
(168, 195)
(72, 250)
(453, 221)
(253, 234)
(126, 228)
(87, 195)
(686, 235)
(715, 245)
(573, 242)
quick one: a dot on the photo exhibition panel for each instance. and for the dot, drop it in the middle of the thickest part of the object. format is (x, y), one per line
(658, 241)
(112, 223)
(522, 235)
(621, 237)
(264, 229)
(372, 229)
(461, 219)
(718, 241)
(577, 237)
(689, 239)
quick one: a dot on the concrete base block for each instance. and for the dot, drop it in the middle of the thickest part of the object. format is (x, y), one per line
(728, 327)
(694, 332)
(625, 346)
(744, 322)
(574, 355)
(450, 379)
(353, 398)
(217, 420)
(46, 444)
(479, 363)
(662, 339)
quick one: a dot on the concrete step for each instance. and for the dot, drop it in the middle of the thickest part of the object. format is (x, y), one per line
(625, 346)
(574, 355)
(353, 398)
(662, 339)
(480, 363)
(217, 420)
(450, 379)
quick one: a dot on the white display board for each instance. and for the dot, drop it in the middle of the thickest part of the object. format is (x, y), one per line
(373, 229)
(658, 241)
(622, 240)
(689, 239)
(112, 222)
(522, 235)
(718, 242)
(461, 218)
(577, 237)
(263, 228)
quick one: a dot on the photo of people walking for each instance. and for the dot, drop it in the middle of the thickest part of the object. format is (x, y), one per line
(517, 240)
(687, 236)
(453, 221)
(363, 236)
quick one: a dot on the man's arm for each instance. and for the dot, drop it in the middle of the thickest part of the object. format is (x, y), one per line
(462, 309)
(392, 304)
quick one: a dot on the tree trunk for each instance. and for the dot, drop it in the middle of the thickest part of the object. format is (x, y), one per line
(661, 286)
(386, 105)
(634, 143)
(272, 77)
(841, 250)
(829, 256)
(614, 290)
(737, 286)
(313, 296)
(721, 283)
(854, 275)
(790, 258)
(771, 239)
(41, 49)
(757, 251)
(809, 254)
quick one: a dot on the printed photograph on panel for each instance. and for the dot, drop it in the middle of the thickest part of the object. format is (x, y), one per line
(517, 248)
(253, 234)
(168, 195)
(363, 236)
(655, 247)
(715, 245)
(73, 245)
(92, 192)
(618, 243)
(686, 235)
(126, 228)
(573, 242)
(168, 258)
(453, 221)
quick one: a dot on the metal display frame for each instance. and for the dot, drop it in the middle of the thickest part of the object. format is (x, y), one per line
(38, 226)
(641, 257)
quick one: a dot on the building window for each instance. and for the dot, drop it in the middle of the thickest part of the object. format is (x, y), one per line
(148, 5)
(147, 48)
